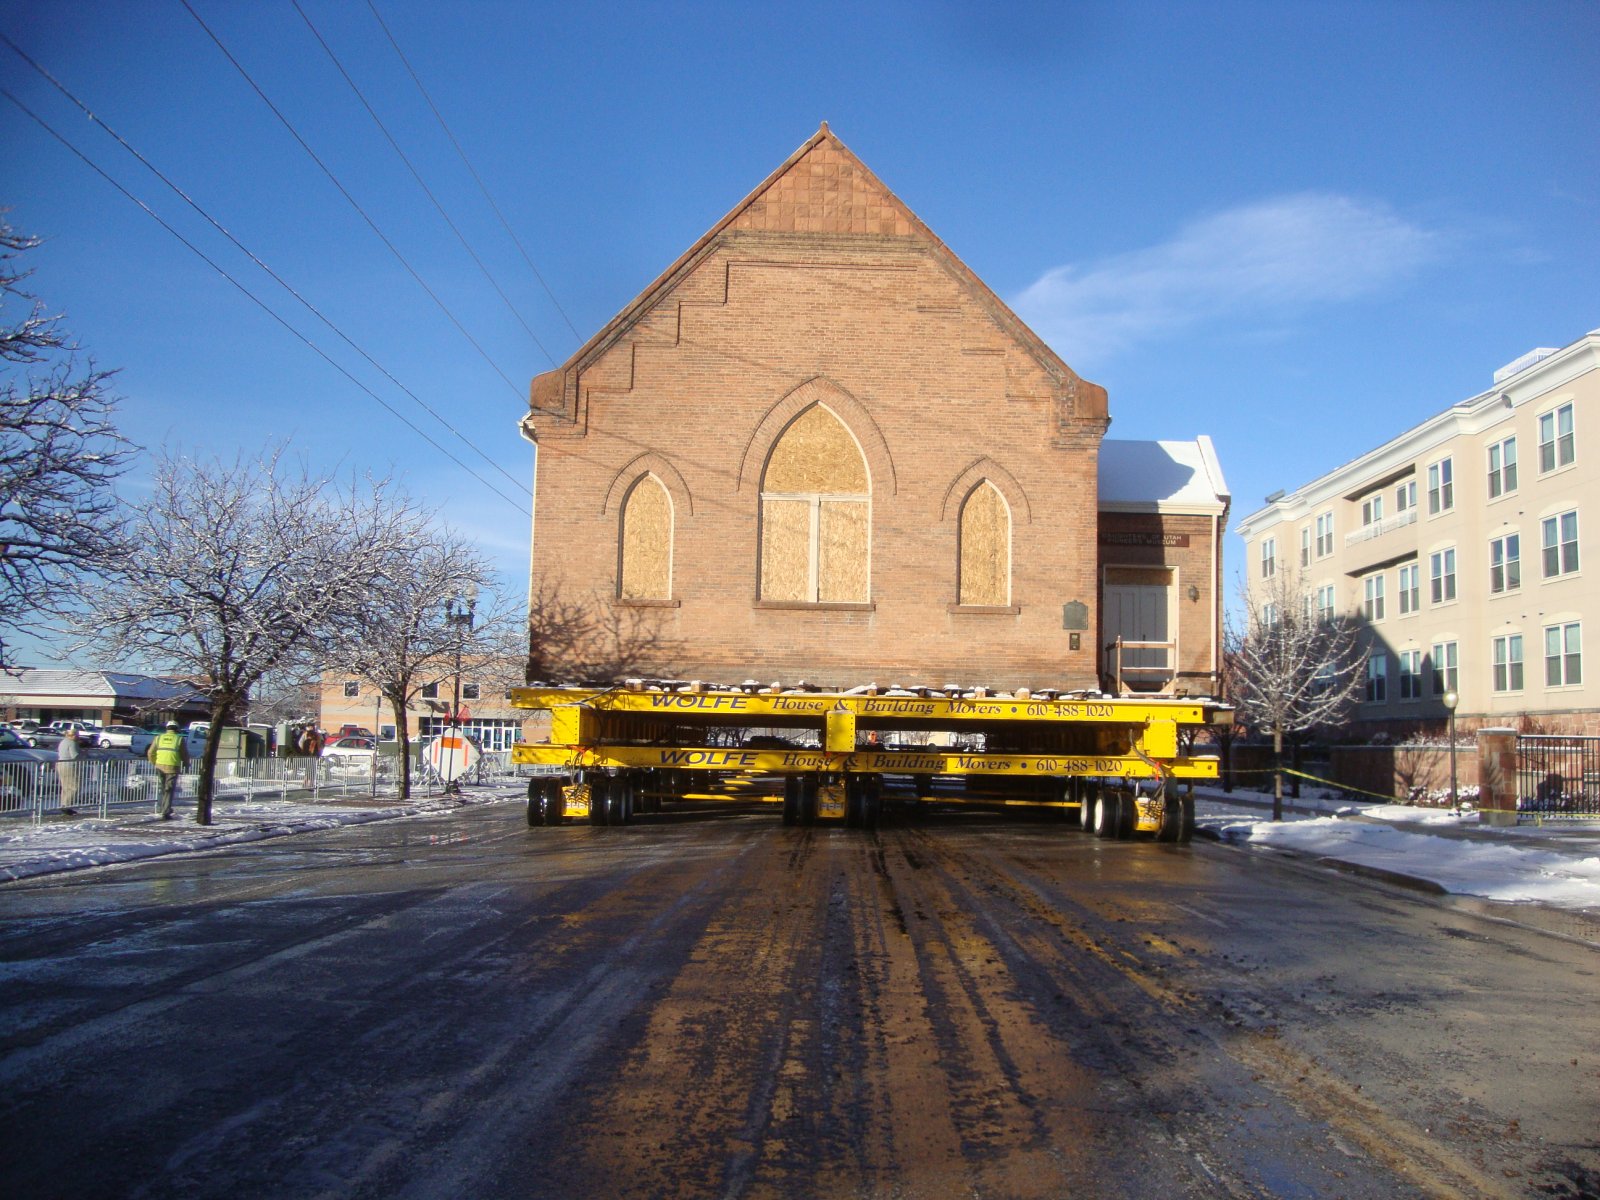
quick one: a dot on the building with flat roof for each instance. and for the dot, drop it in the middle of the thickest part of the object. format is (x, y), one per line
(1460, 546)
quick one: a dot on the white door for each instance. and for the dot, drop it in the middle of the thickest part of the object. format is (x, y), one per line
(1138, 613)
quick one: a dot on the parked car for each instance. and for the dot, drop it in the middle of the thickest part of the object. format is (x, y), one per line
(351, 747)
(120, 736)
(14, 749)
(139, 743)
(88, 734)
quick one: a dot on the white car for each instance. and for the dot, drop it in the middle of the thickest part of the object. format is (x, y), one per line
(119, 735)
(361, 748)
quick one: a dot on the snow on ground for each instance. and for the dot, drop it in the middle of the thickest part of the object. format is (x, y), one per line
(28, 848)
(1556, 866)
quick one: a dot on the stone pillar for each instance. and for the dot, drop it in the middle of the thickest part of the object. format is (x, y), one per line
(1497, 776)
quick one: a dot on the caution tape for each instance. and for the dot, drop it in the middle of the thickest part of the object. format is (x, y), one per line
(1343, 787)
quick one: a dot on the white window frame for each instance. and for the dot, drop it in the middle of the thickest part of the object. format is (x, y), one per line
(1505, 564)
(1405, 496)
(1325, 534)
(1325, 602)
(1444, 663)
(1305, 545)
(1377, 678)
(1507, 674)
(1564, 667)
(1441, 486)
(1410, 596)
(1503, 468)
(352, 689)
(1557, 447)
(1553, 540)
(1442, 576)
(1410, 675)
(1269, 557)
(1372, 598)
(1372, 510)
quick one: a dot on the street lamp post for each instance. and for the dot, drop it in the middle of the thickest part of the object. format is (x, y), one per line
(459, 612)
(1450, 702)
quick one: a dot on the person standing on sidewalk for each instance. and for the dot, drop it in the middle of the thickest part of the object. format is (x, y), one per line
(67, 770)
(168, 755)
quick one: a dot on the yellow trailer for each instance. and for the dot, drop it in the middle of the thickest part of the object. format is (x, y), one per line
(1118, 765)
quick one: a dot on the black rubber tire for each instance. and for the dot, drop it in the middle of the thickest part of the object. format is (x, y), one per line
(808, 800)
(1089, 814)
(871, 802)
(555, 812)
(1186, 822)
(535, 802)
(1171, 816)
(855, 802)
(1127, 816)
(599, 788)
(616, 801)
(1107, 814)
(791, 800)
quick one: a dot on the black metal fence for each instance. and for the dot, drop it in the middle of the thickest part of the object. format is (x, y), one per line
(1558, 777)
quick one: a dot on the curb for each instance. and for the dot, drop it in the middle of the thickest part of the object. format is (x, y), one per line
(1415, 883)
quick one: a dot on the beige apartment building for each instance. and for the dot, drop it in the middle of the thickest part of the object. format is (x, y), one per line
(1460, 547)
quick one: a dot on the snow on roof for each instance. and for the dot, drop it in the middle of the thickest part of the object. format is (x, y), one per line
(111, 685)
(1162, 475)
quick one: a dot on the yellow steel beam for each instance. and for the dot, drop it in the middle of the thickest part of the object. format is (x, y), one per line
(743, 708)
(930, 762)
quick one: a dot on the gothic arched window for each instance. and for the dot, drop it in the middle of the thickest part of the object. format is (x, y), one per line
(815, 513)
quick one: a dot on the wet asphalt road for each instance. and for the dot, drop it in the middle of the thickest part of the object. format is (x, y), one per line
(708, 1004)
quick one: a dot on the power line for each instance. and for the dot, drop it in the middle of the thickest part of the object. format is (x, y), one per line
(343, 191)
(427, 191)
(482, 187)
(245, 250)
(254, 299)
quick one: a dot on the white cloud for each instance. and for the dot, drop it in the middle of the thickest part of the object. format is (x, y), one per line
(1263, 260)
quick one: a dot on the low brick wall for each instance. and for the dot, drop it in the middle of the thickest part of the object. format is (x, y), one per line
(1414, 774)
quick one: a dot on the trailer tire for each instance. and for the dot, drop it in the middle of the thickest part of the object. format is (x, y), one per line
(791, 800)
(1171, 829)
(1186, 821)
(855, 802)
(871, 802)
(1107, 814)
(599, 789)
(808, 800)
(535, 802)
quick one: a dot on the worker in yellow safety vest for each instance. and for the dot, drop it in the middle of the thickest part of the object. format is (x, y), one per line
(169, 756)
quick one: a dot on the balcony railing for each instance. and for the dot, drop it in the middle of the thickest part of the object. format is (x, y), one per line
(1379, 528)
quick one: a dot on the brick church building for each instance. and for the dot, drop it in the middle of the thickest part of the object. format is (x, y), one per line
(819, 448)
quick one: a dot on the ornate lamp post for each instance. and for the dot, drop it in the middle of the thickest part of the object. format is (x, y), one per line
(1450, 702)
(459, 612)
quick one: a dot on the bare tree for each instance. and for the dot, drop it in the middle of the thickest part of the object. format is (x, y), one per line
(59, 453)
(244, 569)
(1297, 667)
(407, 636)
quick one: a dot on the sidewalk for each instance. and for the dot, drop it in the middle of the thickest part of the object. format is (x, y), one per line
(1553, 865)
(28, 850)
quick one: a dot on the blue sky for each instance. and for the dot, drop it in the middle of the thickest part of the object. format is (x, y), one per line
(1298, 228)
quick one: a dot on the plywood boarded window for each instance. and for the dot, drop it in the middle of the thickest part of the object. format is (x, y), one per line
(985, 577)
(646, 550)
(816, 514)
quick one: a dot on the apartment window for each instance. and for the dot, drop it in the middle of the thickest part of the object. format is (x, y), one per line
(1372, 604)
(1560, 539)
(1556, 447)
(1269, 558)
(1411, 674)
(1410, 593)
(1442, 576)
(1441, 487)
(1405, 496)
(1505, 563)
(1371, 510)
(1324, 535)
(470, 691)
(1446, 676)
(1269, 615)
(1305, 546)
(1378, 678)
(1563, 655)
(1508, 663)
(352, 689)
(1325, 602)
(1503, 467)
(430, 691)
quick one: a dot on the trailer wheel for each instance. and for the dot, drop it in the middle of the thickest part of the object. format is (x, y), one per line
(1127, 816)
(616, 800)
(808, 800)
(535, 802)
(1186, 821)
(791, 800)
(871, 802)
(855, 802)
(599, 789)
(1076, 791)
(1171, 829)
(1107, 814)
